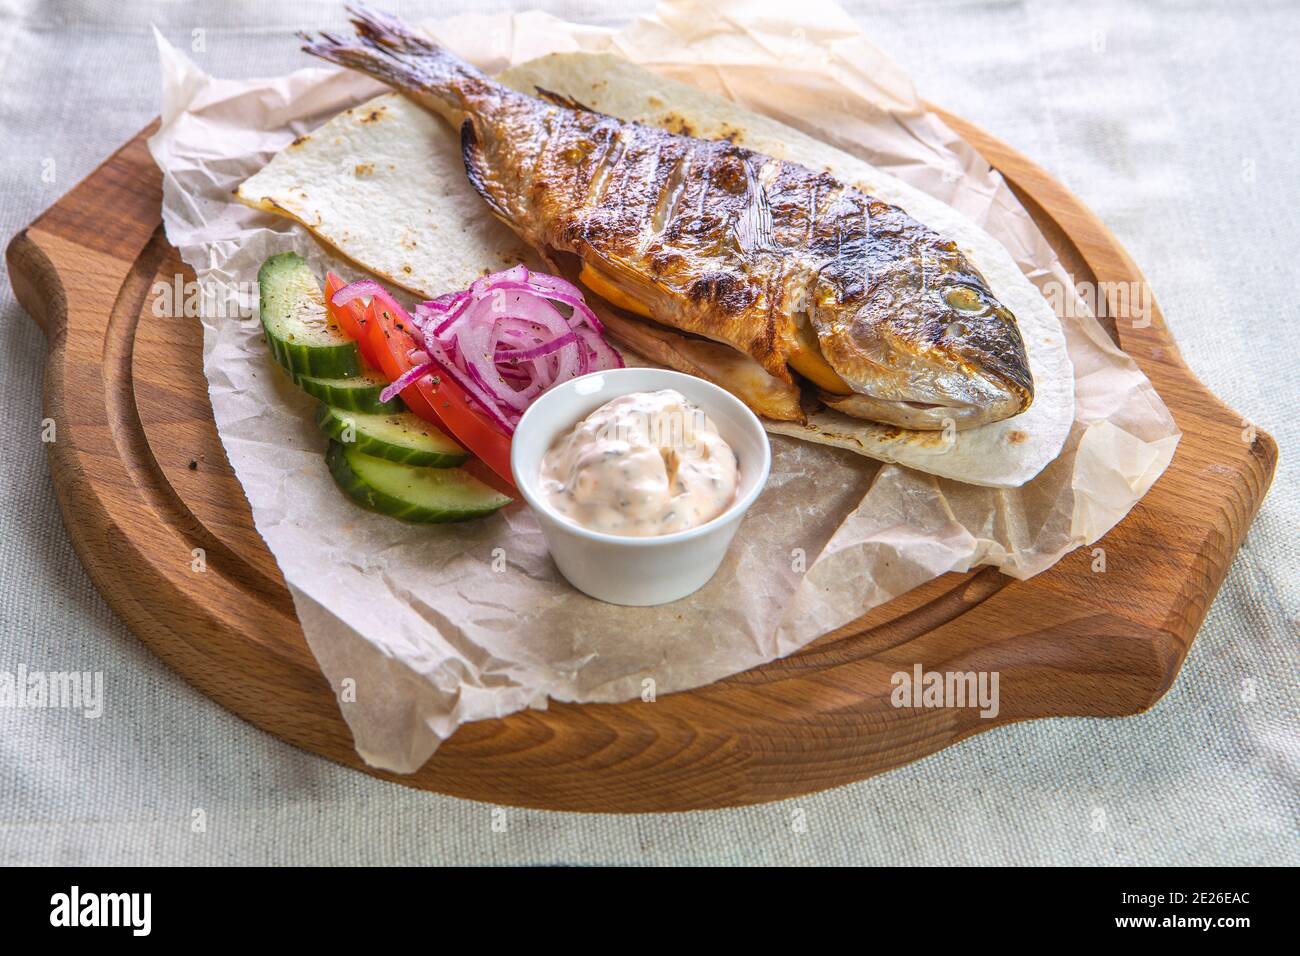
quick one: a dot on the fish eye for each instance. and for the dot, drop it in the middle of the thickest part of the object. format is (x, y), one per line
(964, 298)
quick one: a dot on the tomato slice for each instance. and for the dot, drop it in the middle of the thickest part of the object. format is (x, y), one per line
(471, 429)
(391, 347)
(351, 318)
(438, 399)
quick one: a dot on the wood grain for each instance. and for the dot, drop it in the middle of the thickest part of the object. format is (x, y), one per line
(143, 482)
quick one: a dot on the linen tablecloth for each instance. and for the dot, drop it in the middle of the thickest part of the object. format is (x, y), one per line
(1173, 121)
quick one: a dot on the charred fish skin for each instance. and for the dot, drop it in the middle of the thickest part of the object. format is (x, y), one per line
(655, 213)
(658, 218)
(724, 243)
(903, 316)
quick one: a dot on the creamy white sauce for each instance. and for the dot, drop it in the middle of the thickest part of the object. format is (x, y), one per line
(643, 464)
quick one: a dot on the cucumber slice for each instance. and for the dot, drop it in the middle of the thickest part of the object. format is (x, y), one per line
(302, 336)
(402, 437)
(360, 393)
(409, 492)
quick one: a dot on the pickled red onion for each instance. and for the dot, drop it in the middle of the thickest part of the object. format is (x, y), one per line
(505, 340)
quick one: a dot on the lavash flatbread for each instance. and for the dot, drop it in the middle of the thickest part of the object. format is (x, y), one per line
(383, 183)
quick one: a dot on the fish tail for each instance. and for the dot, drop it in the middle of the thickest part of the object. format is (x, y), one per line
(391, 52)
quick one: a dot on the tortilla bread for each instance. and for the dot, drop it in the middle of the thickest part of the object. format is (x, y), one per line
(384, 185)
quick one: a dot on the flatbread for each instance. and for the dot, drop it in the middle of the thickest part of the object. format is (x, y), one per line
(385, 185)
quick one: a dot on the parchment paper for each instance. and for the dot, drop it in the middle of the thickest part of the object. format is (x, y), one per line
(422, 629)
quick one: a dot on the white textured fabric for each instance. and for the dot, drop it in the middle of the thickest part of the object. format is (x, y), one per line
(1174, 121)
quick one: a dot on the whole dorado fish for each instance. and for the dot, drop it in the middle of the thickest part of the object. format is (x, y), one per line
(784, 264)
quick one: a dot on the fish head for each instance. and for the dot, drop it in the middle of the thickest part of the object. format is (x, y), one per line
(922, 341)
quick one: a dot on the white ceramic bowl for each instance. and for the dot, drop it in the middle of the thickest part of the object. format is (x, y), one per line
(625, 570)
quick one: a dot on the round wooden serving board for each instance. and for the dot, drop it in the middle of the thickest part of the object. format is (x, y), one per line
(143, 481)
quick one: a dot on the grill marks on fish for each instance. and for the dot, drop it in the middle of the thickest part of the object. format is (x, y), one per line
(609, 158)
(716, 240)
(753, 228)
(673, 222)
(670, 195)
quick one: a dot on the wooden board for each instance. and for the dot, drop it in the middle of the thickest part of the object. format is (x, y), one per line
(143, 481)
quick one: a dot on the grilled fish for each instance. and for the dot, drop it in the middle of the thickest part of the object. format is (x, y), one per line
(796, 271)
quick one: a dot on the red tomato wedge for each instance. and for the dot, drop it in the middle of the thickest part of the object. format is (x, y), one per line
(438, 399)
(351, 318)
(452, 406)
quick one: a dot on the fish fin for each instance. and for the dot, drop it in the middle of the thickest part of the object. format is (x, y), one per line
(568, 102)
(623, 276)
(476, 169)
(388, 50)
(629, 281)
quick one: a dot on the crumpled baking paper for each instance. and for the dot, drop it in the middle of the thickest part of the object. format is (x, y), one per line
(425, 628)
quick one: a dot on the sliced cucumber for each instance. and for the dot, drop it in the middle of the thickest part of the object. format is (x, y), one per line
(360, 393)
(409, 492)
(302, 336)
(402, 437)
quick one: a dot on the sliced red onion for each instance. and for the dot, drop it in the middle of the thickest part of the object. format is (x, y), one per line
(371, 288)
(453, 312)
(411, 375)
(537, 351)
(356, 290)
(549, 283)
(486, 402)
(446, 301)
(579, 307)
(603, 355)
(504, 340)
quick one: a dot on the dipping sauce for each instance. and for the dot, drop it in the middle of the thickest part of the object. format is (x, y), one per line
(644, 464)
